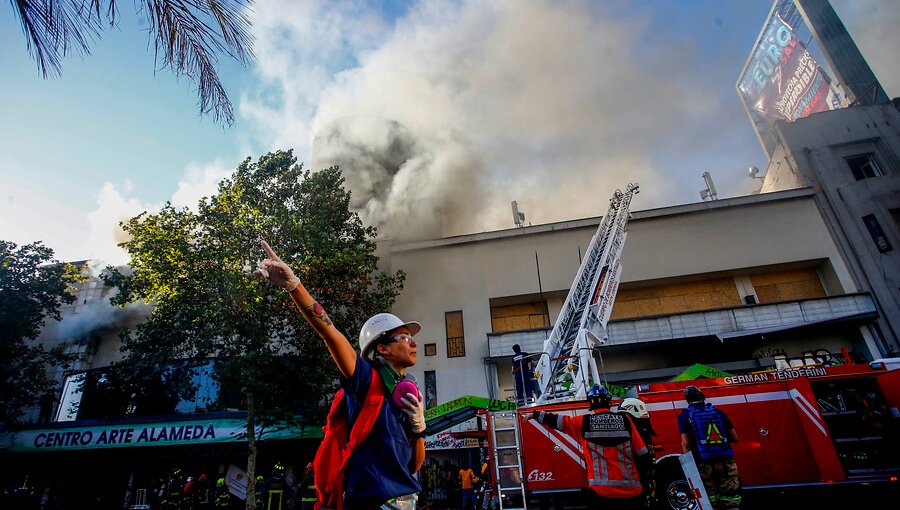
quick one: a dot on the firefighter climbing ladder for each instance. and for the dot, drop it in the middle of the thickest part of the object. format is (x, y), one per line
(567, 366)
(507, 460)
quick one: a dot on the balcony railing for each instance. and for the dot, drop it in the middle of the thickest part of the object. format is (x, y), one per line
(744, 320)
(722, 322)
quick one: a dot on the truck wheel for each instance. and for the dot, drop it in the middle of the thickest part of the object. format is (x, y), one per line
(672, 488)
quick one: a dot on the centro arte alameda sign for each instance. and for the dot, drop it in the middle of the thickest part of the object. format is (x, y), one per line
(152, 434)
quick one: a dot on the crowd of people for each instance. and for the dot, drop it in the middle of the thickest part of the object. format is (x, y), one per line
(182, 490)
(446, 484)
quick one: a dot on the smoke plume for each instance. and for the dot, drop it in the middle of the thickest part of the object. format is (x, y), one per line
(443, 115)
(410, 186)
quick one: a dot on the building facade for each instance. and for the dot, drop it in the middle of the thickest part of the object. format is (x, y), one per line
(739, 284)
(851, 158)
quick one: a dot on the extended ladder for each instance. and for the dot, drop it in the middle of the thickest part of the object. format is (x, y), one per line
(507, 460)
(567, 367)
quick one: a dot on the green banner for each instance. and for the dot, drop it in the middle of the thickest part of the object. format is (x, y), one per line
(469, 401)
(699, 371)
(147, 434)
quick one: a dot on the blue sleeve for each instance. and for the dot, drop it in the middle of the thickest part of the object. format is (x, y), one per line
(684, 423)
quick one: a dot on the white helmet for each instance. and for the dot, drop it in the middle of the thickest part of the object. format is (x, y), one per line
(635, 407)
(377, 326)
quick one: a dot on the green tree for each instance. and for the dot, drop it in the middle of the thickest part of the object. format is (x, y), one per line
(196, 268)
(32, 288)
(188, 37)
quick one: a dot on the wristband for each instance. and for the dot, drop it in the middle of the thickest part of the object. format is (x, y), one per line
(292, 284)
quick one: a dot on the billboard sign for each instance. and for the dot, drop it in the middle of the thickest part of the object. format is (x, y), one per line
(783, 81)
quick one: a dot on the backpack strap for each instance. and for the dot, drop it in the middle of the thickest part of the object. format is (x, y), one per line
(368, 413)
(330, 493)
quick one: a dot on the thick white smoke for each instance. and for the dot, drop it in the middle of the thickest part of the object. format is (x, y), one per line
(444, 118)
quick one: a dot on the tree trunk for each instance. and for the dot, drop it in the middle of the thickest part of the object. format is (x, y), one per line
(251, 454)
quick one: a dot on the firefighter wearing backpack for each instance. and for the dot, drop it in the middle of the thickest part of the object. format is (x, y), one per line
(616, 458)
(708, 433)
(370, 460)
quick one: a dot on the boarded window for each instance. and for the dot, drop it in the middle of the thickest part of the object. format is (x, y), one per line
(519, 316)
(456, 340)
(676, 298)
(788, 286)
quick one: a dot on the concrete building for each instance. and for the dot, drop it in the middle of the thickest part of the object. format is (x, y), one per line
(851, 159)
(739, 284)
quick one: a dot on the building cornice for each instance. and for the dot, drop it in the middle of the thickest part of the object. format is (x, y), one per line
(636, 216)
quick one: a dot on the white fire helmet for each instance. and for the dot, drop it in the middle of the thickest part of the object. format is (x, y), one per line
(635, 407)
(377, 326)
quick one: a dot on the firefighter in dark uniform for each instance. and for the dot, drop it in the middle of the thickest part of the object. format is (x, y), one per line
(708, 433)
(260, 490)
(223, 497)
(308, 489)
(174, 491)
(203, 493)
(274, 488)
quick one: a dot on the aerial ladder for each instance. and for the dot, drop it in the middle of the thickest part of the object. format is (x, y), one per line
(567, 366)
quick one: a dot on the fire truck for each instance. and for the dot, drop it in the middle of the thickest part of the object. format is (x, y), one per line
(798, 427)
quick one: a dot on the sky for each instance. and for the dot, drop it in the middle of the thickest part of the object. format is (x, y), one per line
(440, 113)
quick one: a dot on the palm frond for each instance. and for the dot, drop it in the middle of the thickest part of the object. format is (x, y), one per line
(53, 28)
(189, 34)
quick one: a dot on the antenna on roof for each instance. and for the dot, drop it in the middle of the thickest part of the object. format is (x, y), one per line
(710, 191)
(518, 217)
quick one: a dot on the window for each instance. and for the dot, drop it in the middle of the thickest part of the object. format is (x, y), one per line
(430, 389)
(431, 349)
(864, 166)
(456, 340)
(874, 228)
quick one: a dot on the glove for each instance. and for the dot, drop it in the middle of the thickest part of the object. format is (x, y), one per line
(275, 270)
(415, 411)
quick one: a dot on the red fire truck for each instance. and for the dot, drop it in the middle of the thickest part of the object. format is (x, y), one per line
(798, 428)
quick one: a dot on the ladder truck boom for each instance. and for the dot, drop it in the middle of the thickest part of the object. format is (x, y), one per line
(567, 367)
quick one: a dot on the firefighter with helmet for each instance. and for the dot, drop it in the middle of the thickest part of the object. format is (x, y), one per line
(203, 492)
(260, 491)
(223, 496)
(382, 473)
(637, 410)
(616, 457)
(174, 490)
(272, 490)
(308, 489)
(708, 433)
